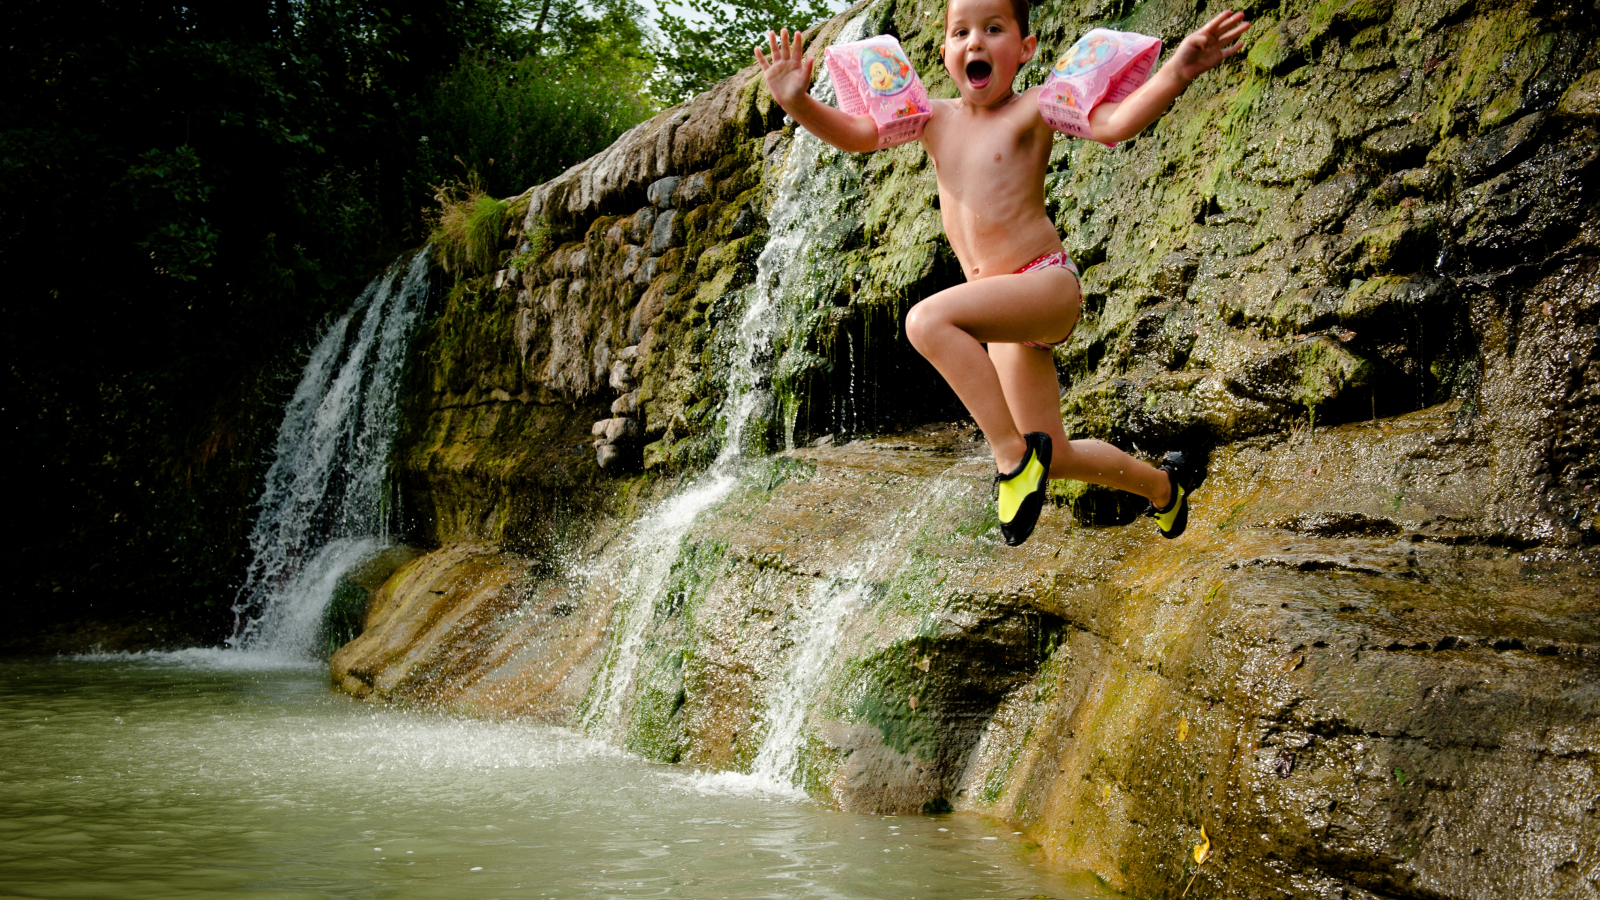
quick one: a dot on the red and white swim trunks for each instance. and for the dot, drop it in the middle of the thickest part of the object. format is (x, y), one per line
(1056, 260)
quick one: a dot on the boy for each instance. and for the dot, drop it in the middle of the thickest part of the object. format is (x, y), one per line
(990, 150)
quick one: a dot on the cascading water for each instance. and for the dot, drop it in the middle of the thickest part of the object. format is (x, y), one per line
(324, 508)
(801, 207)
(830, 604)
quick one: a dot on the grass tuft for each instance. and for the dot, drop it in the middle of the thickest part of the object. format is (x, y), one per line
(470, 228)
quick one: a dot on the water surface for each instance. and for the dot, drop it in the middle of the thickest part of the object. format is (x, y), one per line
(208, 774)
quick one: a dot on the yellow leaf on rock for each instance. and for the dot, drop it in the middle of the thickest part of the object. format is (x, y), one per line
(1202, 850)
(912, 702)
(1183, 728)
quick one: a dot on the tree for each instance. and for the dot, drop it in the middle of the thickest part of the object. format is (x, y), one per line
(717, 38)
(547, 98)
(186, 190)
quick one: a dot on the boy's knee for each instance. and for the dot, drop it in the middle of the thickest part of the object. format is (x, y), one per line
(920, 324)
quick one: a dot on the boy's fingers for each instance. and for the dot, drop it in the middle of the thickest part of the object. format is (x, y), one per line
(1229, 20)
(761, 60)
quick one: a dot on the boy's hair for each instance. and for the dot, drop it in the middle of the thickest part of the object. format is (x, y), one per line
(1019, 11)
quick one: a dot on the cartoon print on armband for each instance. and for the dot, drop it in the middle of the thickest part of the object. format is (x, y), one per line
(886, 73)
(1090, 52)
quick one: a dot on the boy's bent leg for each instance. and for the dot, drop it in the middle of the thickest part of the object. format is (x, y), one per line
(1033, 393)
(1098, 462)
(950, 328)
(1028, 376)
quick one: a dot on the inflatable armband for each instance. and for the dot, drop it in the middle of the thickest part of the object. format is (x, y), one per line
(874, 78)
(1104, 66)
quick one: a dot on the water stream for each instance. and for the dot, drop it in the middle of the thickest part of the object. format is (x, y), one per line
(831, 603)
(800, 208)
(324, 507)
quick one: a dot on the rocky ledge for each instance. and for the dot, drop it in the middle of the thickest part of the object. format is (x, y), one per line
(1348, 676)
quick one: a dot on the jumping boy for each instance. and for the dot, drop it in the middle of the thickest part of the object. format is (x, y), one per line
(990, 149)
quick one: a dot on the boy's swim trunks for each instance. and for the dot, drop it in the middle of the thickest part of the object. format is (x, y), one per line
(1056, 260)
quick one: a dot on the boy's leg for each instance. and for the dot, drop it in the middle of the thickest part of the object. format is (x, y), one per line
(1028, 377)
(950, 328)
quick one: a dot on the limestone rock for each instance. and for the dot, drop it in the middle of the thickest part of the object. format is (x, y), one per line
(660, 191)
(640, 226)
(626, 405)
(621, 377)
(1582, 99)
(665, 235)
(692, 191)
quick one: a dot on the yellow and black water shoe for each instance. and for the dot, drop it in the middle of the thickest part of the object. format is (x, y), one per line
(1022, 490)
(1171, 520)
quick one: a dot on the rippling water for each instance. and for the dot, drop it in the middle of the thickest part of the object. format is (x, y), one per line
(220, 774)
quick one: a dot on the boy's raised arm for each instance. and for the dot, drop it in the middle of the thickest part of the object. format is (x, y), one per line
(1200, 52)
(788, 76)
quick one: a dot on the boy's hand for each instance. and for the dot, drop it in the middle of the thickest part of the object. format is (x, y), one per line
(788, 73)
(1210, 44)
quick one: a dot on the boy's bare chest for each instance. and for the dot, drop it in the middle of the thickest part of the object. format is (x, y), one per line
(1003, 152)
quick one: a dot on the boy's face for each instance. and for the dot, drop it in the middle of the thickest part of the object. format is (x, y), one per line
(983, 48)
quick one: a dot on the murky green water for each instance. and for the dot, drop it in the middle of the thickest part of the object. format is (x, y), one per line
(185, 776)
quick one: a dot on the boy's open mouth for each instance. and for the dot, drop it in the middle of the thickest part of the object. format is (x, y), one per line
(978, 73)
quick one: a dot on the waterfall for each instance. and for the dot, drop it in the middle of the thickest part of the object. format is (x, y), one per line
(800, 209)
(325, 506)
(831, 602)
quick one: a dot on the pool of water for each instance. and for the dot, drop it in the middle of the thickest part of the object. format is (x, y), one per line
(211, 774)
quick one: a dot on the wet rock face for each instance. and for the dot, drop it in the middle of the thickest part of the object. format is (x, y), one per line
(1357, 266)
(1344, 671)
(1330, 211)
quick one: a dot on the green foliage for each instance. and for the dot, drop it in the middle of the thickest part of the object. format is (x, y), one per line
(470, 226)
(562, 94)
(535, 241)
(712, 39)
(188, 191)
(168, 192)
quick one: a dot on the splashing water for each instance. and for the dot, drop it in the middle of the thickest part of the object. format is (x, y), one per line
(325, 504)
(800, 208)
